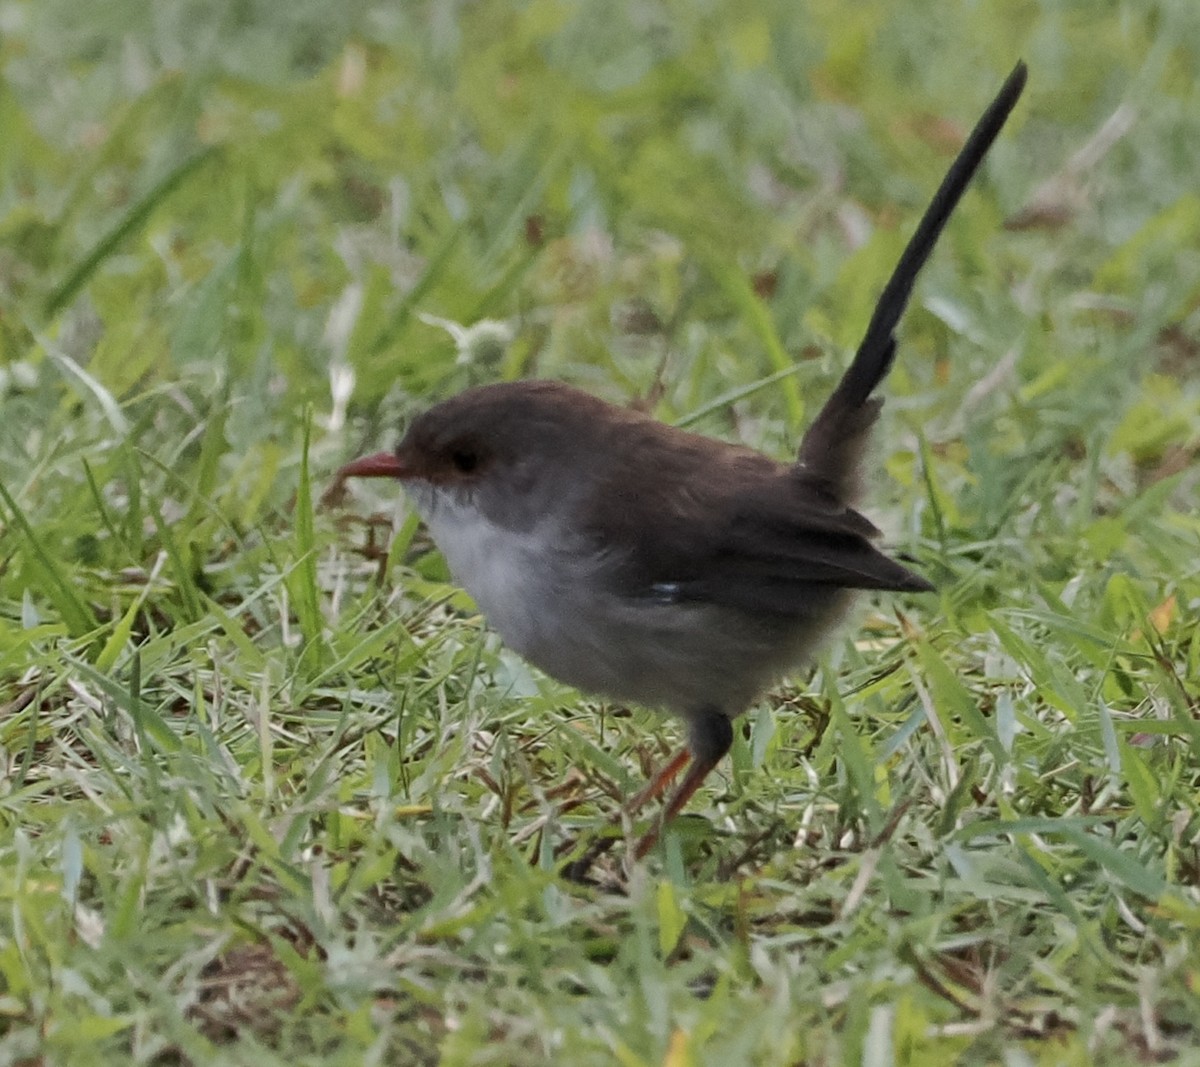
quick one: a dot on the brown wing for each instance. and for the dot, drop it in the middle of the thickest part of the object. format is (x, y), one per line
(774, 555)
(732, 527)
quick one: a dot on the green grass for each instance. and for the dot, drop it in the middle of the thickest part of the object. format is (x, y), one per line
(270, 792)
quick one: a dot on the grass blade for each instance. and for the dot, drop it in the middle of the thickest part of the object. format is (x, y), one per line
(74, 610)
(133, 219)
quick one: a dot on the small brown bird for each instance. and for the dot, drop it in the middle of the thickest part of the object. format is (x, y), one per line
(652, 565)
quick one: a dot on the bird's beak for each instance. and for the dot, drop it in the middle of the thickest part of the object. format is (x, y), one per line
(378, 465)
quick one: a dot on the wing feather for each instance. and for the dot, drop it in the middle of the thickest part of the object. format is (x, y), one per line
(759, 538)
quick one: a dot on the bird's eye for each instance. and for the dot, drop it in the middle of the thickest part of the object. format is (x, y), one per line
(464, 460)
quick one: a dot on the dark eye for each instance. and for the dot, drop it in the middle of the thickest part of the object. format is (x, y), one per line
(464, 460)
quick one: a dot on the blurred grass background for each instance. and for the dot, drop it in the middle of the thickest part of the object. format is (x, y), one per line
(271, 794)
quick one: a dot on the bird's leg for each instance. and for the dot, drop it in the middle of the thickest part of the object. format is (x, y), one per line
(654, 788)
(711, 735)
(650, 791)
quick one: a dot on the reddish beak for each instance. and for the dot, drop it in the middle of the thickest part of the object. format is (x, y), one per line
(379, 465)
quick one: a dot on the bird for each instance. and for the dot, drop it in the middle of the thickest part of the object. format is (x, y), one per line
(651, 565)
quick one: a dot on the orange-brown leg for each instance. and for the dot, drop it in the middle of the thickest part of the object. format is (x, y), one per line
(697, 772)
(711, 736)
(653, 789)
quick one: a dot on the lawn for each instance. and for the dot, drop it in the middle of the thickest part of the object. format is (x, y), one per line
(272, 794)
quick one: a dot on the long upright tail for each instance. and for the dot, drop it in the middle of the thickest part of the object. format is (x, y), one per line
(831, 451)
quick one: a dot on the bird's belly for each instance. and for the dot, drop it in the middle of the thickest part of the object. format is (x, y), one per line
(549, 603)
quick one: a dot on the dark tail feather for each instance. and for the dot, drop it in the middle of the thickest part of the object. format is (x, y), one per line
(832, 448)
